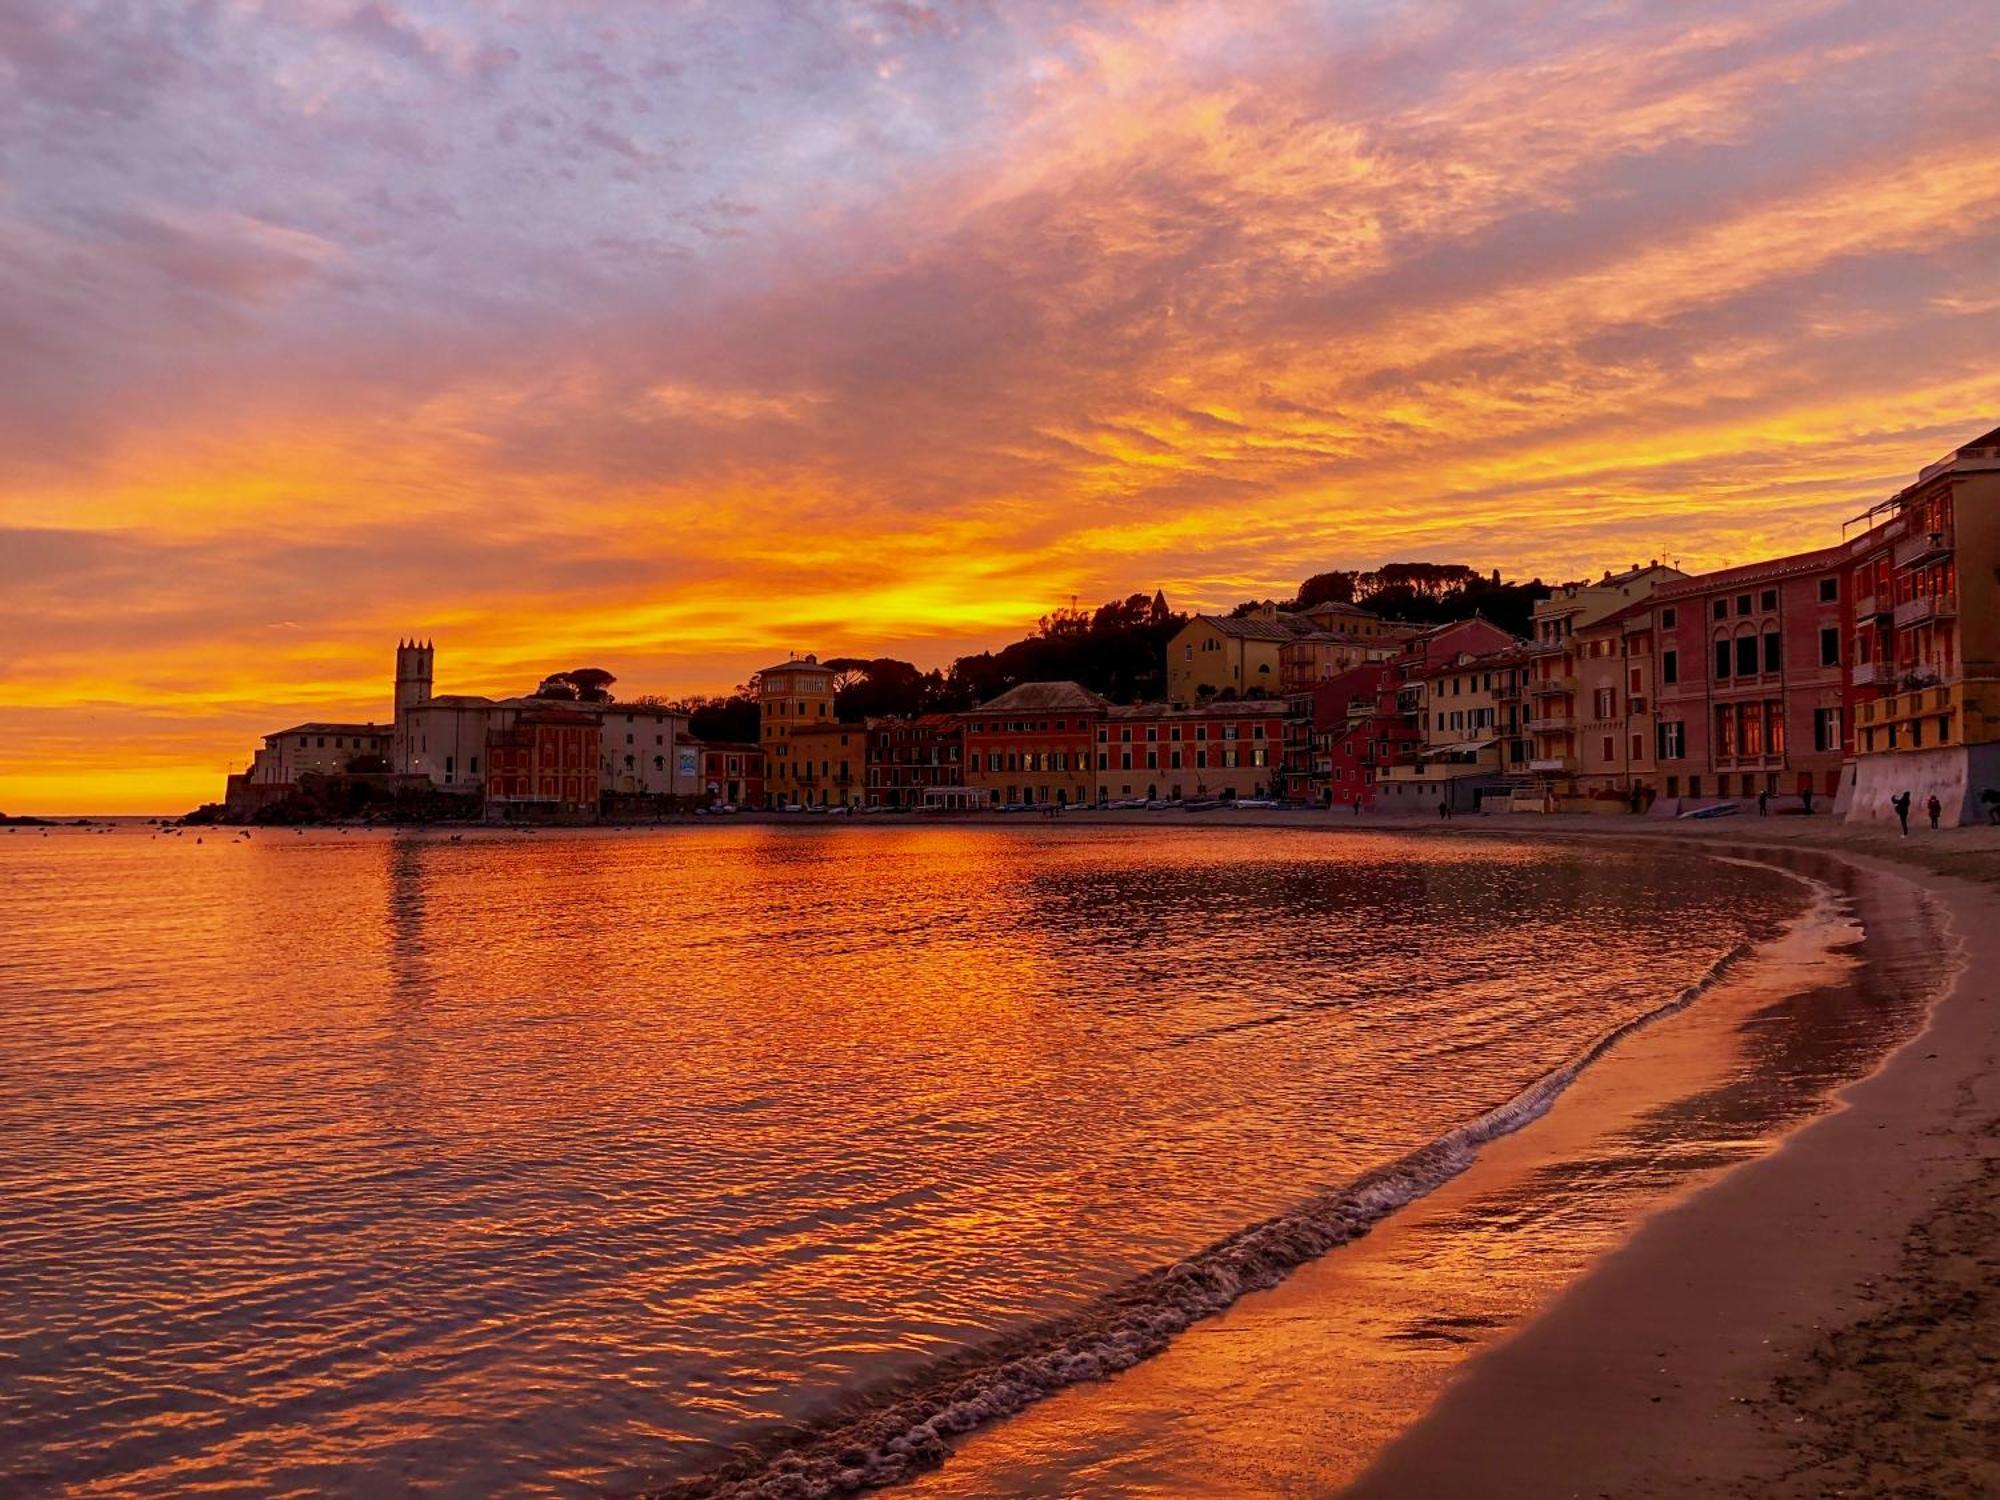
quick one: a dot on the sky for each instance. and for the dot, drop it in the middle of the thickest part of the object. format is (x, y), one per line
(673, 337)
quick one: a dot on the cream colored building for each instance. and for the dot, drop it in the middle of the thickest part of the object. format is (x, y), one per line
(323, 749)
(1555, 707)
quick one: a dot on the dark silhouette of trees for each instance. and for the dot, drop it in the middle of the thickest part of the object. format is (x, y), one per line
(1119, 649)
(578, 685)
(713, 719)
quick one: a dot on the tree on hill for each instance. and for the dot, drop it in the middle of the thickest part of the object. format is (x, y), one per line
(1118, 649)
(578, 685)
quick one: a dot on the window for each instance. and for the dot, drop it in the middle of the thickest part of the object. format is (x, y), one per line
(1746, 656)
(1670, 667)
(1742, 604)
(1610, 749)
(1671, 736)
(1829, 646)
(1829, 590)
(1774, 651)
(1667, 619)
(1722, 609)
(1722, 658)
(1607, 704)
(1770, 599)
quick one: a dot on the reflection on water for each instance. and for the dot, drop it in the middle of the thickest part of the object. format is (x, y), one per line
(372, 1163)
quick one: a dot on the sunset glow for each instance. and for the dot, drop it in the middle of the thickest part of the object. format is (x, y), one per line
(672, 337)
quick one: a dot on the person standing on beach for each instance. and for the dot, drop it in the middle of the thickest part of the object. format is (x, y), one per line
(1936, 809)
(1763, 804)
(1805, 796)
(1444, 808)
(1901, 802)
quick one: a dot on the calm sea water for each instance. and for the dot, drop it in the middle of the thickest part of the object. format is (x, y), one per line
(372, 1163)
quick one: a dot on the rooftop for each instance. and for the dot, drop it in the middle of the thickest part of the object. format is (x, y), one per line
(342, 729)
(1045, 697)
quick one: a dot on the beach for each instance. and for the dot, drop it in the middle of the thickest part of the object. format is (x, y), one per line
(1820, 1319)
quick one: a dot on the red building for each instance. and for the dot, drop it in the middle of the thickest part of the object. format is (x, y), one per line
(543, 766)
(908, 756)
(1156, 751)
(731, 772)
(1750, 679)
(1032, 745)
(1354, 726)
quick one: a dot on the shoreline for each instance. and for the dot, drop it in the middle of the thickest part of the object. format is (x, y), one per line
(1821, 1320)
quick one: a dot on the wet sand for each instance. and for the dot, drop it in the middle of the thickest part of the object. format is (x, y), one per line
(1822, 1321)
(1818, 1318)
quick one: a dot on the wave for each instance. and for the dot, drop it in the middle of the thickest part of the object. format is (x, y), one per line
(902, 1429)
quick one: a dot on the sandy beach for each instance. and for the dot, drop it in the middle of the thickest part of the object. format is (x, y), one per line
(1821, 1319)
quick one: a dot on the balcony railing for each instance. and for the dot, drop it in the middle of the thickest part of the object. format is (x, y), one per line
(1868, 673)
(1924, 547)
(1551, 723)
(1869, 606)
(1925, 608)
(1548, 764)
(1546, 687)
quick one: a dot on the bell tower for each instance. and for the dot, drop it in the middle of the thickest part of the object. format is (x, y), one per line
(413, 675)
(413, 687)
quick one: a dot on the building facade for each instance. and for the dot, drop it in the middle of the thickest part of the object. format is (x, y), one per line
(731, 774)
(325, 749)
(1032, 746)
(1213, 655)
(1157, 751)
(1751, 682)
(1925, 577)
(791, 696)
(826, 765)
(544, 765)
(909, 757)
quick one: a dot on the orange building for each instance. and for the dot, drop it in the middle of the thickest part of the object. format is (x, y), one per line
(543, 766)
(791, 696)
(827, 764)
(1157, 751)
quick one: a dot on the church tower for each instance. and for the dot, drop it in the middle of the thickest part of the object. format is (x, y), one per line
(413, 687)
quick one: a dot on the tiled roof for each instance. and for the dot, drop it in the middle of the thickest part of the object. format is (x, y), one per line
(1045, 697)
(1757, 572)
(792, 666)
(1281, 627)
(316, 728)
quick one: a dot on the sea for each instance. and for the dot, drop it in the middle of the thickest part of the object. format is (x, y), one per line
(750, 1158)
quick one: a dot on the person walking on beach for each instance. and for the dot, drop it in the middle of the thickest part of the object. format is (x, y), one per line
(1444, 808)
(1901, 802)
(1763, 804)
(1805, 796)
(1936, 809)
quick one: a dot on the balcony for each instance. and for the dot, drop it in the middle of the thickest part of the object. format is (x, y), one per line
(1552, 765)
(1551, 723)
(1925, 547)
(1548, 687)
(1868, 673)
(1869, 607)
(1926, 609)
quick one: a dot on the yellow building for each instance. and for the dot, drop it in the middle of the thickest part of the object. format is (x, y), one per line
(1216, 654)
(791, 696)
(828, 764)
